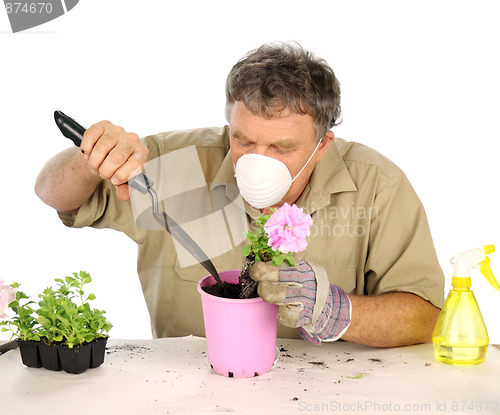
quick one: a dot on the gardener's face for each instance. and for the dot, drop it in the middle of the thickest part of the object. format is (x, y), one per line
(287, 137)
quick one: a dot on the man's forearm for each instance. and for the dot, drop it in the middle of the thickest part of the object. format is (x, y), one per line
(66, 181)
(389, 320)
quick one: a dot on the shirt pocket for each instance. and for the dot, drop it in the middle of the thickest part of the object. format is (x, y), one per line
(343, 275)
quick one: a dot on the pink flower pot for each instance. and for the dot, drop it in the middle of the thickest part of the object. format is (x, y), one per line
(241, 334)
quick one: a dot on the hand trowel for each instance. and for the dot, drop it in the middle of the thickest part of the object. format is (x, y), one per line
(74, 131)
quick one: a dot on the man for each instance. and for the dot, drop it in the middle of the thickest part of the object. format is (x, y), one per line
(369, 274)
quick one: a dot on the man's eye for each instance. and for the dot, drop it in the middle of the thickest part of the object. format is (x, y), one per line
(243, 143)
(281, 150)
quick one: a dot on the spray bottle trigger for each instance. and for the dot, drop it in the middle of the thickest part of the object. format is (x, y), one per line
(486, 271)
(489, 249)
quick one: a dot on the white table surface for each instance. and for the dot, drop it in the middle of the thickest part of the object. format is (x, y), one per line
(169, 376)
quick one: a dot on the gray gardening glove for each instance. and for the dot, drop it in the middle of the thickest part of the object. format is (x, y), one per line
(307, 300)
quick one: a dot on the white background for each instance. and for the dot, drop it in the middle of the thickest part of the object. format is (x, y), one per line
(420, 83)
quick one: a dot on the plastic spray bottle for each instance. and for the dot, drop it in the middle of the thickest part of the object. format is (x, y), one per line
(460, 337)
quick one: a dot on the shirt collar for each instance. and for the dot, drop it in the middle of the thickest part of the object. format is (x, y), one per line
(329, 176)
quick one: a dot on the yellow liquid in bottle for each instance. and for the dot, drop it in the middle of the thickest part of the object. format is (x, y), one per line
(459, 355)
(460, 337)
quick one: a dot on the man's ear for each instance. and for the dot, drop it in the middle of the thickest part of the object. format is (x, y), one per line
(325, 143)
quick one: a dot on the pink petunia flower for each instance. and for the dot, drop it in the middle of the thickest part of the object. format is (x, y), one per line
(7, 295)
(288, 229)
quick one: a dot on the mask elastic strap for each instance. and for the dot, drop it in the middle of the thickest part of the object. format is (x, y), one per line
(308, 160)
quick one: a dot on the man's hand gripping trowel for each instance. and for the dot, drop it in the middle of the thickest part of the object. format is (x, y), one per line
(74, 131)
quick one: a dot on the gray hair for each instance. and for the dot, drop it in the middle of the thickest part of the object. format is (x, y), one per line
(281, 76)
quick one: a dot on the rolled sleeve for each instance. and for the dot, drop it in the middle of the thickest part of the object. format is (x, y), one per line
(92, 211)
(104, 210)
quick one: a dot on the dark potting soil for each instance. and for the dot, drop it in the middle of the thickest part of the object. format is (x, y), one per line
(225, 290)
(246, 288)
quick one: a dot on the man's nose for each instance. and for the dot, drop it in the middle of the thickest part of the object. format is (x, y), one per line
(261, 150)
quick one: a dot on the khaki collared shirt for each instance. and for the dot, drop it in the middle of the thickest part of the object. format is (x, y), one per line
(369, 230)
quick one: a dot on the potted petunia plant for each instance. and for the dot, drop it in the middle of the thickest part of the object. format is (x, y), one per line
(241, 329)
(278, 236)
(61, 331)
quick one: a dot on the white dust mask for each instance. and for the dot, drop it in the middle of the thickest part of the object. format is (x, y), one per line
(262, 180)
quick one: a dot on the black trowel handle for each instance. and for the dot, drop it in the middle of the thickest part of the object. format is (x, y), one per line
(69, 127)
(74, 131)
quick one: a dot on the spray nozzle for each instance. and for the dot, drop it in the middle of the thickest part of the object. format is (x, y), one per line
(474, 258)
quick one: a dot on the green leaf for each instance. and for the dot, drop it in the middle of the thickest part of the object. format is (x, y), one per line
(63, 320)
(91, 297)
(45, 322)
(20, 295)
(85, 277)
(354, 377)
(107, 327)
(246, 250)
(277, 260)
